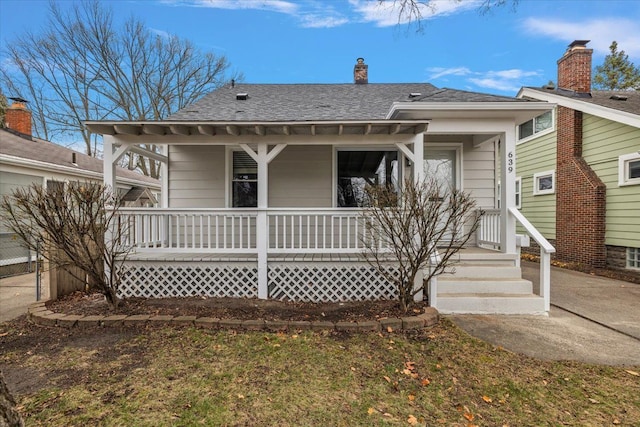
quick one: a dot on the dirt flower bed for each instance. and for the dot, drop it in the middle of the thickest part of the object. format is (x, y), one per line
(234, 308)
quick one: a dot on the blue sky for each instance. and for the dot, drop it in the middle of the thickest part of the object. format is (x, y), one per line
(318, 41)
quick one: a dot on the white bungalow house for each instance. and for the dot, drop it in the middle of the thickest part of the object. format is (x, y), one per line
(261, 191)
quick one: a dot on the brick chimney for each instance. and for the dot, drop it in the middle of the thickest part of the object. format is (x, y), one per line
(580, 193)
(361, 72)
(18, 117)
(574, 68)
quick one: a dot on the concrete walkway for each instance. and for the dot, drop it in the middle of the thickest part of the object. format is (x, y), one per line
(593, 319)
(17, 292)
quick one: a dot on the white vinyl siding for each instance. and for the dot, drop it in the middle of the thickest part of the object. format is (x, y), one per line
(301, 176)
(604, 141)
(197, 176)
(10, 181)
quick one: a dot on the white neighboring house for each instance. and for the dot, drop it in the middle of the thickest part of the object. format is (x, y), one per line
(261, 182)
(25, 160)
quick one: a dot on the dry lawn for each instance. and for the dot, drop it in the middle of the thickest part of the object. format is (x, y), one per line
(192, 377)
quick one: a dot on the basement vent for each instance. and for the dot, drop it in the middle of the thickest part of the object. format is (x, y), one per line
(618, 97)
(242, 96)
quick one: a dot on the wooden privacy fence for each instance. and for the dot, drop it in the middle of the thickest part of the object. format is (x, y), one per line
(66, 280)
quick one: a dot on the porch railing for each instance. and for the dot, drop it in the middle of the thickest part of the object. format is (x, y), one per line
(235, 230)
(489, 235)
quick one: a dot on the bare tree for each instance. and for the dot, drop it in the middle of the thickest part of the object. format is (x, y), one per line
(416, 11)
(418, 229)
(85, 67)
(78, 226)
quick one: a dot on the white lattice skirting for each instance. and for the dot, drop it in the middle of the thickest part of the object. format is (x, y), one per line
(288, 281)
(328, 282)
(166, 279)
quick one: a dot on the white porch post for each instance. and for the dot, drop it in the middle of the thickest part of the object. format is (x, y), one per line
(164, 177)
(108, 163)
(418, 177)
(508, 189)
(262, 226)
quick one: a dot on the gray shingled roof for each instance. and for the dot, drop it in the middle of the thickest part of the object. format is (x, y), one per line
(602, 98)
(318, 102)
(25, 147)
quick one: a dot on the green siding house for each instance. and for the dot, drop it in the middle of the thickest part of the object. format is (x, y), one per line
(578, 167)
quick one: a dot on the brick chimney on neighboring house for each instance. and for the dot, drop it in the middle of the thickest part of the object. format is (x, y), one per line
(17, 117)
(580, 194)
(361, 72)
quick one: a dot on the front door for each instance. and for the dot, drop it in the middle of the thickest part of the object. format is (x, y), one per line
(442, 164)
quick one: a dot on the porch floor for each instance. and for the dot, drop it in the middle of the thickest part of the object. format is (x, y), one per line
(277, 257)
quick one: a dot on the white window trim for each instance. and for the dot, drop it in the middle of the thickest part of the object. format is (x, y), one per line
(628, 258)
(458, 147)
(623, 169)
(519, 192)
(228, 164)
(538, 175)
(539, 134)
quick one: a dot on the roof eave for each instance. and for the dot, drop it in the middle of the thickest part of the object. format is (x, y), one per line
(586, 107)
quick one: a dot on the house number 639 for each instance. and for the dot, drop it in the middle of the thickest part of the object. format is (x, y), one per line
(510, 161)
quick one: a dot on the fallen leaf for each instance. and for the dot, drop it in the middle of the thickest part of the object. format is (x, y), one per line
(487, 399)
(410, 365)
(616, 421)
(411, 397)
(406, 371)
(371, 411)
(412, 420)
(438, 366)
(388, 415)
(389, 329)
(469, 416)
(4, 335)
(353, 369)
(593, 401)
(425, 382)
(634, 373)
(387, 378)
(241, 396)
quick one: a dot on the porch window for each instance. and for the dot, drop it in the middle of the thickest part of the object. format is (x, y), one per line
(633, 258)
(244, 182)
(536, 125)
(629, 169)
(359, 168)
(544, 183)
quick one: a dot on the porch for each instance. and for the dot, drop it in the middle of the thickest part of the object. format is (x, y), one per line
(310, 255)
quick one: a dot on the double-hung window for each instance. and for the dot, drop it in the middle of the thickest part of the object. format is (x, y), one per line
(244, 181)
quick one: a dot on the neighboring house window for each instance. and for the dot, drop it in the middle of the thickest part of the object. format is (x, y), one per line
(359, 168)
(534, 126)
(544, 183)
(629, 169)
(633, 258)
(244, 183)
(518, 193)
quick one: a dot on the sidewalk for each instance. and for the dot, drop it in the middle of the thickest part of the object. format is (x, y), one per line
(569, 332)
(17, 292)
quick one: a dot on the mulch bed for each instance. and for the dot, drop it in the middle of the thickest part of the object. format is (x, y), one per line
(234, 308)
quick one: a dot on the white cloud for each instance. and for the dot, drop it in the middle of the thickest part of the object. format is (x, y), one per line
(387, 13)
(439, 72)
(280, 6)
(601, 32)
(310, 13)
(510, 80)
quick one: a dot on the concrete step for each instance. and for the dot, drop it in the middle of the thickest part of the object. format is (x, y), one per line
(483, 271)
(453, 285)
(471, 303)
(495, 257)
